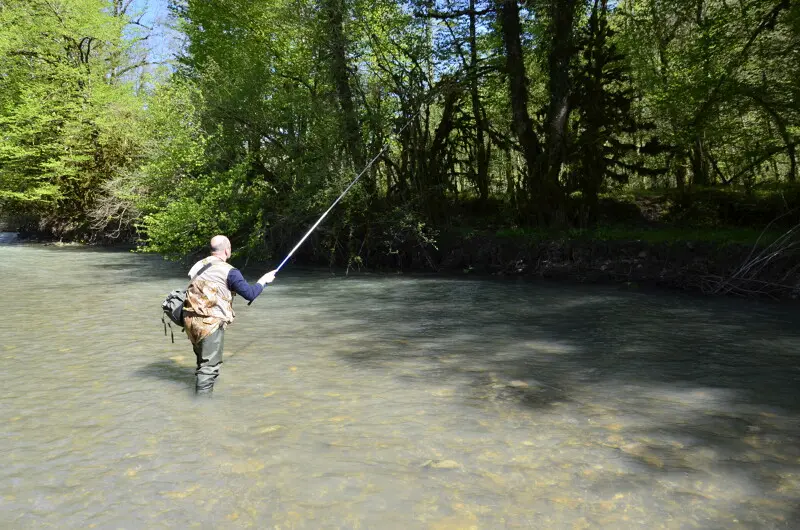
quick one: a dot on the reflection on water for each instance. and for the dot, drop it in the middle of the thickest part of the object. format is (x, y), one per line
(392, 402)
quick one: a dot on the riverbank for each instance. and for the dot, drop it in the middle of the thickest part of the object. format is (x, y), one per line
(696, 266)
(764, 267)
(736, 262)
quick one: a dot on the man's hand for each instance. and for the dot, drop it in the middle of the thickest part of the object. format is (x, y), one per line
(268, 278)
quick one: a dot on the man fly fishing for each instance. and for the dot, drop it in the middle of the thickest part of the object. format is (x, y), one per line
(208, 308)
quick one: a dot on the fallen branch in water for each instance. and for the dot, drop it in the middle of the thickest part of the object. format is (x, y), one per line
(745, 279)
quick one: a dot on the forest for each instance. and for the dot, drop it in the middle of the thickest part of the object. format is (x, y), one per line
(545, 118)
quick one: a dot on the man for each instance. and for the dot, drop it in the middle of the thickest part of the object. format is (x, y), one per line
(208, 309)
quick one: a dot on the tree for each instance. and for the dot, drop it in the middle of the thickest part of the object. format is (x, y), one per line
(63, 108)
(538, 185)
(603, 98)
(699, 65)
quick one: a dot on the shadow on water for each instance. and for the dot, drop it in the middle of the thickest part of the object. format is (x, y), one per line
(696, 386)
(137, 268)
(8, 238)
(596, 341)
(168, 370)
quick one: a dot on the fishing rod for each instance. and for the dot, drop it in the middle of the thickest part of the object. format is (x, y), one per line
(341, 196)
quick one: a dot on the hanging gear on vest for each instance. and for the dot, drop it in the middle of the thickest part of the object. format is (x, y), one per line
(172, 306)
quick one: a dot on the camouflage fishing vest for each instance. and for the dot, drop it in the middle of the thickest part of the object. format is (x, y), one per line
(208, 294)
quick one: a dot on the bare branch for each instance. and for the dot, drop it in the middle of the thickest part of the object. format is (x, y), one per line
(445, 15)
(127, 69)
(138, 22)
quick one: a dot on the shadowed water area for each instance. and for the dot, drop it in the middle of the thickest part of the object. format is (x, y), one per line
(392, 402)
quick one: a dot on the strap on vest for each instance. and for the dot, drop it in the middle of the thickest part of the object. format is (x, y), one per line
(203, 269)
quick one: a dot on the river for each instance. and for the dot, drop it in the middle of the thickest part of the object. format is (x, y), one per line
(389, 401)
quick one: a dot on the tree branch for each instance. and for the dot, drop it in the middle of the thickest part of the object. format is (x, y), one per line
(138, 65)
(769, 153)
(138, 22)
(445, 15)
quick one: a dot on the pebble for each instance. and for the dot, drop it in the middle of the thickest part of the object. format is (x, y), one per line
(442, 464)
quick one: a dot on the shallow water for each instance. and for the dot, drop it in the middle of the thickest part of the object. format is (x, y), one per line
(392, 402)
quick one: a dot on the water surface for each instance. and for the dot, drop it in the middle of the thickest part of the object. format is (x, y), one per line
(392, 402)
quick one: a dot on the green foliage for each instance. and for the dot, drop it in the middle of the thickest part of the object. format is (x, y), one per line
(219, 203)
(68, 121)
(654, 235)
(604, 98)
(175, 144)
(275, 105)
(718, 80)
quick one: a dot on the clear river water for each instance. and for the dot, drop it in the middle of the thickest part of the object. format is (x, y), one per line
(392, 402)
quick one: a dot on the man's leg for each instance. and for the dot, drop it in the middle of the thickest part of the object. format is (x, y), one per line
(209, 361)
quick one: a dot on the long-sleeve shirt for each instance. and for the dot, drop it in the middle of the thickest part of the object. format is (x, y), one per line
(239, 285)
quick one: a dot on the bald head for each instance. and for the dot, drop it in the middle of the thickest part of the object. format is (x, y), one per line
(220, 246)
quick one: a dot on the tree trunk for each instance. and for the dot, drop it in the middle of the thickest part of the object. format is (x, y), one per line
(482, 175)
(680, 173)
(435, 172)
(534, 181)
(340, 73)
(561, 52)
(700, 173)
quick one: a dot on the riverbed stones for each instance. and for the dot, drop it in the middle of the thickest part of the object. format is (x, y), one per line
(442, 464)
(270, 429)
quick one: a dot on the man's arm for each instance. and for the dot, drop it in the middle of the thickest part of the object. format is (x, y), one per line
(239, 285)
